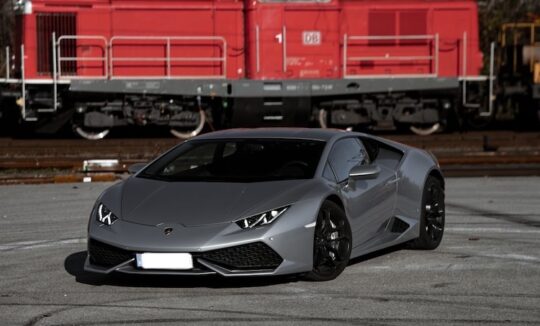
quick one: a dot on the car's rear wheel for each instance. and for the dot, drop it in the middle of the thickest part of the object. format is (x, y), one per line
(432, 217)
(332, 243)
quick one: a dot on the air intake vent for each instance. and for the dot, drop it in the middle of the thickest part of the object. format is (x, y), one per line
(251, 256)
(398, 225)
(106, 255)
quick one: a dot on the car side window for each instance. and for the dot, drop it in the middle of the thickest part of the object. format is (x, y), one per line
(346, 154)
(328, 174)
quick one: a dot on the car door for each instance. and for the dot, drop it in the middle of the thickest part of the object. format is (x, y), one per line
(369, 203)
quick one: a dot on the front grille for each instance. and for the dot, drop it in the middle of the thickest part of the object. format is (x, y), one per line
(250, 256)
(106, 255)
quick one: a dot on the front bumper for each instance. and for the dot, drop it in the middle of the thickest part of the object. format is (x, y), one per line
(284, 247)
(254, 258)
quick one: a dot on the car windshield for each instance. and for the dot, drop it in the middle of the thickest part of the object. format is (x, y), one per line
(238, 160)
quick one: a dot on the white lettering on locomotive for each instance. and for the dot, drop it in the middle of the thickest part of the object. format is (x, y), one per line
(311, 38)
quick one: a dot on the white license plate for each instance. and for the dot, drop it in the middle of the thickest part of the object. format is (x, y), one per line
(150, 260)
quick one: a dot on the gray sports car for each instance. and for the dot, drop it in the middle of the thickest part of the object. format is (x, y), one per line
(267, 202)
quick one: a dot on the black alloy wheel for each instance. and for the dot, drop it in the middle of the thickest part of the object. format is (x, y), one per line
(332, 243)
(433, 216)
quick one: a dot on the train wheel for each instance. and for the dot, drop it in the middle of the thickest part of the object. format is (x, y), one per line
(91, 133)
(426, 130)
(186, 133)
(323, 118)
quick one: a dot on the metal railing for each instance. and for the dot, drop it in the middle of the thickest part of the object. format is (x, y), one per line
(109, 58)
(432, 42)
(257, 49)
(466, 79)
(491, 81)
(7, 63)
(168, 41)
(284, 47)
(57, 46)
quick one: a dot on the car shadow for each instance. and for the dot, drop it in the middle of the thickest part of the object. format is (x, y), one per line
(74, 263)
(376, 254)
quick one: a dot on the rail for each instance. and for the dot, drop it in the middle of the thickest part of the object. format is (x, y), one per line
(168, 59)
(77, 59)
(433, 58)
(460, 153)
(466, 79)
(257, 49)
(491, 81)
(7, 63)
(111, 59)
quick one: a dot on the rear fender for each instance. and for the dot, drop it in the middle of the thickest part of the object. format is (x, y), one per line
(413, 173)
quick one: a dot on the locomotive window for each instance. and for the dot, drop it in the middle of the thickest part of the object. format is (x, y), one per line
(382, 23)
(413, 23)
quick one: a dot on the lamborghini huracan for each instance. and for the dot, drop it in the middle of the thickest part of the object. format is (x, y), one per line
(253, 202)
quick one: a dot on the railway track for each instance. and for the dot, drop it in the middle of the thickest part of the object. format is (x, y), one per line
(73, 160)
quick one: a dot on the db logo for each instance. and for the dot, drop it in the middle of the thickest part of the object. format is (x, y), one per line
(311, 37)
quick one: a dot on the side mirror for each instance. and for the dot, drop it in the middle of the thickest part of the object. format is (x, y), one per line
(370, 171)
(134, 168)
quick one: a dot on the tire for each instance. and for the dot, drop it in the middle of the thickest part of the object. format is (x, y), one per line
(332, 243)
(432, 217)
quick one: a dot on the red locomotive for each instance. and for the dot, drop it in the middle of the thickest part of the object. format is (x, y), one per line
(180, 64)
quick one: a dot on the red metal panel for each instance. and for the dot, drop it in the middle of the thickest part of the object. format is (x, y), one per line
(270, 24)
(294, 40)
(311, 36)
(189, 57)
(413, 22)
(382, 22)
(447, 19)
(204, 18)
(312, 43)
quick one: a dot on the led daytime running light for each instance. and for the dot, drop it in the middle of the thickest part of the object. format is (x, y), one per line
(261, 219)
(105, 216)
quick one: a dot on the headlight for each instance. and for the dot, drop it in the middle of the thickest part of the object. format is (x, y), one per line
(105, 216)
(261, 219)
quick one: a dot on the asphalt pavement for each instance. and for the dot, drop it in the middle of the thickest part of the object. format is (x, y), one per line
(486, 271)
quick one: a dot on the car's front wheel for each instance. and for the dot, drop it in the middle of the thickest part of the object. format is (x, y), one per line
(332, 243)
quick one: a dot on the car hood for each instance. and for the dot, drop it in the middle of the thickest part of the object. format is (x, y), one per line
(153, 202)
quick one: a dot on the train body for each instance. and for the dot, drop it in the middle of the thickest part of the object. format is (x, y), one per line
(100, 64)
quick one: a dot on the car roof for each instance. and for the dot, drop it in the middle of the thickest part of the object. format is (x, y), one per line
(287, 133)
